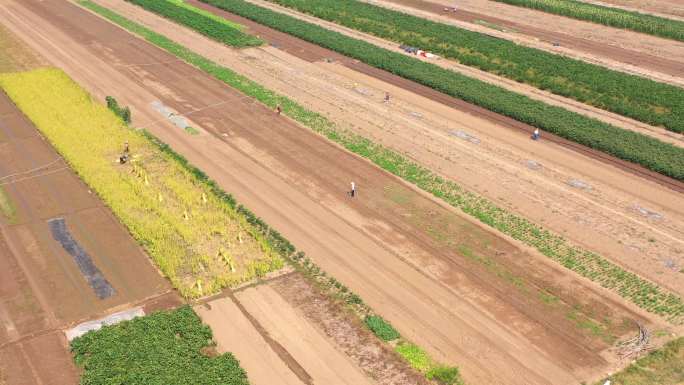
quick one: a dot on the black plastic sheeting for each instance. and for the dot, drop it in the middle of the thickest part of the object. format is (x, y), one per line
(91, 273)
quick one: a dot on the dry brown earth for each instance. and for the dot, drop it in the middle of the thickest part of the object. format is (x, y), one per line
(394, 246)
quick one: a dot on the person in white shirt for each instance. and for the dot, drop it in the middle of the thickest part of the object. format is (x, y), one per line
(353, 189)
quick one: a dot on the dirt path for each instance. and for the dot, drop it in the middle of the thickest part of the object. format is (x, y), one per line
(42, 290)
(234, 333)
(320, 358)
(636, 49)
(381, 245)
(607, 216)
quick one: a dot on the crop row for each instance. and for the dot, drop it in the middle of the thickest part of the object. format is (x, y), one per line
(165, 347)
(630, 286)
(200, 21)
(196, 237)
(639, 98)
(658, 156)
(613, 17)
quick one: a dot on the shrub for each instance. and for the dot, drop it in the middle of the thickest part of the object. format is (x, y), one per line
(447, 375)
(381, 328)
(123, 113)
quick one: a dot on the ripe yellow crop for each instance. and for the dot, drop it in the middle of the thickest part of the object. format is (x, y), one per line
(198, 240)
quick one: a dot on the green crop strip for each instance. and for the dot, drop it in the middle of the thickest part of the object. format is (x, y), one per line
(639, 98)
(183, 4)
(643, 293)
(200, 21)
(161, 348)
(658, 156)
(612, 17)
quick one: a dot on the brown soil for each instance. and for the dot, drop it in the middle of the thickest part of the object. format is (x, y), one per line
(318, 353)
(604, 218)
(461, 311)
(42, 290)
(15, 55)
(235, 332)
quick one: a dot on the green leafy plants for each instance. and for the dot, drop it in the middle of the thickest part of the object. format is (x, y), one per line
(613, 17)
(639, 98)
(658, 156)
(381, 328)
(641, 292)
(200, 21)
(163, 348)
(420, 360)
(123, 113)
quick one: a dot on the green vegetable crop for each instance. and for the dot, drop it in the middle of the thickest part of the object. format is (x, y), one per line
(200, 22)
(613, 17)
(163, 348)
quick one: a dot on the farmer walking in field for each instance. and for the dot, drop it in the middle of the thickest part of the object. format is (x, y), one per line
(124, 157)
(279, 109)
(387, 97)
(353, 189)
(535, 134)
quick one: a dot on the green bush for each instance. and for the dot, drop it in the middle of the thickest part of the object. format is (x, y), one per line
(200, 22)
(639, 98)
(447, 375)
(163, 348)
(123, 113)
(416, 356)
(658, 156)
(613, 17)
(381, 328)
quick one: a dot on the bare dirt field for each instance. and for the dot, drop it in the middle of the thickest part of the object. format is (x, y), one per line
(524, 321)
(42, 290)
(628, 219)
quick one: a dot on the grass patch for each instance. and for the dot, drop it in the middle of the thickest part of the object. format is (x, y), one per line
(381, 328)
(195, 233)
(641, 292)
(191, 130)
(664, 366)
(7, 209)
(163, 348)
(419, 360)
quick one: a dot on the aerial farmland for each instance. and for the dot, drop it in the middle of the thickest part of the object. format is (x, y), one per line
(341, 192)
